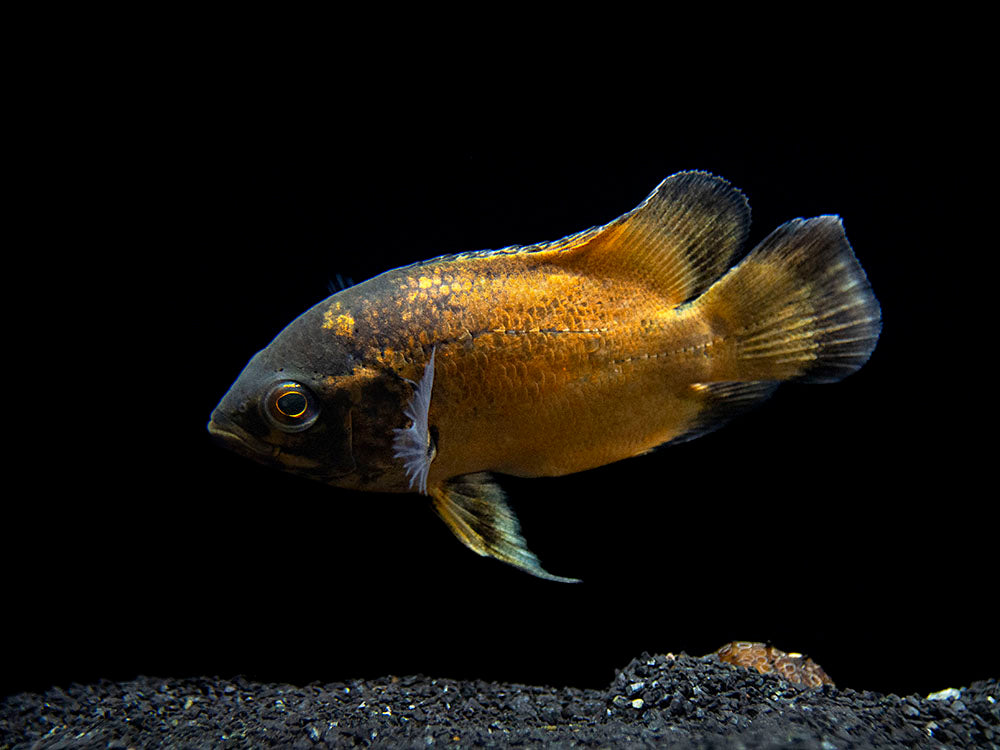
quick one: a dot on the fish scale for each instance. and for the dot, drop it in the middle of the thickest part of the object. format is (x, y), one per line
(542, 401)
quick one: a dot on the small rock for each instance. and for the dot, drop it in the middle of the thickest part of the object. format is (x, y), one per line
(948, 694)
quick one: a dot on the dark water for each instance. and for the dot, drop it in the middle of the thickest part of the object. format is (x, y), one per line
(851, 522)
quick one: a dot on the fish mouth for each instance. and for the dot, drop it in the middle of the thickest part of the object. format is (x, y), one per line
(238, 440)
(234, 437)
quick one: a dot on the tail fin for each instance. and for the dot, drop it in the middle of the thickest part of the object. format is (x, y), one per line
(798, 307)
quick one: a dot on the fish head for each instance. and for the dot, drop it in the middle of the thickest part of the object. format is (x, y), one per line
(312, 404)
(284, 415)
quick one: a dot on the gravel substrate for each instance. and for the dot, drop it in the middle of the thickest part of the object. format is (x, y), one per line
(656, 701)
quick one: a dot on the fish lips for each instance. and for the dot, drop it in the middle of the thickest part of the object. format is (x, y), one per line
(235, 438)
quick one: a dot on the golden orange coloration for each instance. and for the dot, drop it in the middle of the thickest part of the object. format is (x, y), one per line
(766, 659)
(555, 358)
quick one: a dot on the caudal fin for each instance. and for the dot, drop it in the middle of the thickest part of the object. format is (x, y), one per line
(799, 306)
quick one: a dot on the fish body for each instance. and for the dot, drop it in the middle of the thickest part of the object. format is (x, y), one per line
(553, 358)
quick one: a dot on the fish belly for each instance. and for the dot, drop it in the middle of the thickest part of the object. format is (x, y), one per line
(570, 429)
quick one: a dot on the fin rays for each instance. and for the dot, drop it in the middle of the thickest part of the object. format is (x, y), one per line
(798, 307)
(476, 511)
(682, 238)
(413, 444)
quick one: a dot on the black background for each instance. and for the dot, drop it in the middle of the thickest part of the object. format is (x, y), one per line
(853, 522)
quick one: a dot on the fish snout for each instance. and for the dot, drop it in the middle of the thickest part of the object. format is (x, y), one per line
(230, 435)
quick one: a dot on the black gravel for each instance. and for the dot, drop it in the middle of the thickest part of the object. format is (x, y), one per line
(656, 701)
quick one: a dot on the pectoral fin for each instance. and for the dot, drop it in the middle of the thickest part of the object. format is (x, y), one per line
(476, 511)
(413, 444)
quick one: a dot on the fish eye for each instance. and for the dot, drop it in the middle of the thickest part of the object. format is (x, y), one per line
(290, 406)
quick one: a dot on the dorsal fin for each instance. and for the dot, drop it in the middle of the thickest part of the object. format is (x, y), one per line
(680, 240)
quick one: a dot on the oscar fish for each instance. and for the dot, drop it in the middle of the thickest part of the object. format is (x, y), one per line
(553, 358)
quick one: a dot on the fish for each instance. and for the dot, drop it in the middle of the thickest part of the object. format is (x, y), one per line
(552, 358)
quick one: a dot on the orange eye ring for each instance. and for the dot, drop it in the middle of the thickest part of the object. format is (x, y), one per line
(290, 406)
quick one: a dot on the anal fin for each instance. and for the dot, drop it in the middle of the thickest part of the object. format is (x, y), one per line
(476, 511)
(720, 402)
